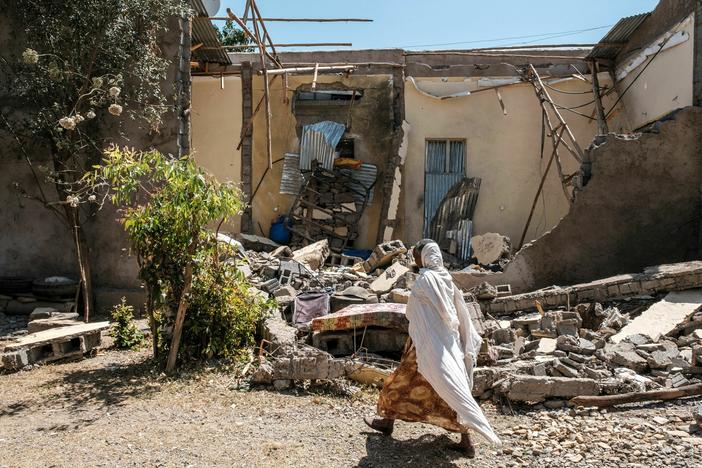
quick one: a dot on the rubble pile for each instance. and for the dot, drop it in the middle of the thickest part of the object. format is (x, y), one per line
(335, 316)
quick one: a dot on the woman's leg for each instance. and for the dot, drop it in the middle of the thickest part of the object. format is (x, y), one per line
(383, 425)
(465, 445)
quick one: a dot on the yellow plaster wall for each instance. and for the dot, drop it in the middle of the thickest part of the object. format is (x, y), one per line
(215, 126)
(664, 86)
(503, 150)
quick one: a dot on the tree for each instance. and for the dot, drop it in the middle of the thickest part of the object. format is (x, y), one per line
(86, 65)
(231, 36)
(166, 205)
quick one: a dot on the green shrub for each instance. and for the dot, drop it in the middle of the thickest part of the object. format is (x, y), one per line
(124, 330)
(222, 313)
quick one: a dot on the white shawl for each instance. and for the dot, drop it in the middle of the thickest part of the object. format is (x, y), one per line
(446, 341)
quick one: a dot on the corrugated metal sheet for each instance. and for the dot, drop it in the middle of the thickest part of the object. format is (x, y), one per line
(436, 186)
(292, 178)
(453, 218)
(204, 33)
(444, 168)
(610, 45)
(366, 175)
(319, 142)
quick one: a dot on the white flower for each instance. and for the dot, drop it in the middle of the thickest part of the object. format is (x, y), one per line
(68, 123)
(30, 56)
(97, 82)
(115, 109)
(91, 198)
(72, 200)
(78, 118)
(90, 114)
(114, 91)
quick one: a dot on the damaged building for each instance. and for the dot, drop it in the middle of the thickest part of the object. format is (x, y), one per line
(454, 144)
(554, 178)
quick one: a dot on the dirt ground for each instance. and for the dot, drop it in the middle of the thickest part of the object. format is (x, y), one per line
(117, 410)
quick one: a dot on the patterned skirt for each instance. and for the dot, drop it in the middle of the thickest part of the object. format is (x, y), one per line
(407, 395)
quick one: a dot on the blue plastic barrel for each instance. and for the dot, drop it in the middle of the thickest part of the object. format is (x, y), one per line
(279, 231)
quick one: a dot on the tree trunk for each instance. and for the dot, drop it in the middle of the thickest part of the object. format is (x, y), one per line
(152, 319)
(182, 306)
(86, 283)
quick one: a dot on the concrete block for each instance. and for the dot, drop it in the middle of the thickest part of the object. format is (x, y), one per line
(14, 360)
(535, 389)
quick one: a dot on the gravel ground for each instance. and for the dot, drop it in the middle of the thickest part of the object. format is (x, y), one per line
(116, 410)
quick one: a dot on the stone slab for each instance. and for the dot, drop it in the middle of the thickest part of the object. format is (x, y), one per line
(663, 316)
(56, 334)
(387, 280)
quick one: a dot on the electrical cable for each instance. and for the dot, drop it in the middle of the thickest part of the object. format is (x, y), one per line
(540, 36)
(619, 98)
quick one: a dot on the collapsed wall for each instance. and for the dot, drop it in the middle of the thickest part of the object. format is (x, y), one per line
(640, 207)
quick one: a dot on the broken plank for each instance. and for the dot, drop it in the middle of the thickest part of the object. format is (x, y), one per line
(634, 397)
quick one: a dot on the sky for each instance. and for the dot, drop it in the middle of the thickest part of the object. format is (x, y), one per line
(444, 24)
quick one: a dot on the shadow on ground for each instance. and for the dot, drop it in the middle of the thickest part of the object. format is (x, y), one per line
(427, 450)
(85, 394)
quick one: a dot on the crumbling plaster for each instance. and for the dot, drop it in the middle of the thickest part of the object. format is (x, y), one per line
(371, 126)
(640, 208)
(503, 150)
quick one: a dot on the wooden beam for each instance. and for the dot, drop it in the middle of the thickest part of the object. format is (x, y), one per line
(697, 56)
(602, 128)
(314, 77)
(281, 71)
(302, 44)
(265, 30)
(195, 47)
(300, 20)
(541, 186)
(633, 397)
(266, 89)
(253, 36)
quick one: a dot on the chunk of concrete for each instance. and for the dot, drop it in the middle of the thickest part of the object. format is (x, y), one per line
(535, 389)
(546, 345)
(625, 355)
(490, 247)
(567, 371)
(697, 414)
(52, 322)
(14, 360)
(42, 313)
(387, 280)
(659, 360)
(257, 243)
(400, 296)
(663, 316)
(281, 335)
(313, 255)
(575, 345)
